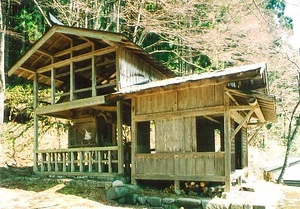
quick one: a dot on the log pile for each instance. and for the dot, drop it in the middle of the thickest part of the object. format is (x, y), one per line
(203, 189)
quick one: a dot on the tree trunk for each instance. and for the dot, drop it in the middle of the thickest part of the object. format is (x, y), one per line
(2, 64)
(290, 138)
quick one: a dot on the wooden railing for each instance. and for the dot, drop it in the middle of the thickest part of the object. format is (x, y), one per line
(78, 161)
(204, 166)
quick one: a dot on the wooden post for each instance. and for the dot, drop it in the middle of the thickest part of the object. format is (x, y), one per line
(176, 168)
(109, 161)
(120, 137)
(99, 161)
(72, 162)
(90, 161)
(133, 142)
(35, 121)
(94, 74)
(49, 161)
(64, 161)
(55, 155)
(227, 134)
(53, 87)
(72, 81)
(81, 161)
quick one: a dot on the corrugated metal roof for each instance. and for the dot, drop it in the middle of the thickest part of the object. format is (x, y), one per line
(236, 73)
(276, 164)
(242, 73)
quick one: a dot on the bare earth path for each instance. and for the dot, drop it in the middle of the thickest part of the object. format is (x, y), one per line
(18, 199)
(285, 196)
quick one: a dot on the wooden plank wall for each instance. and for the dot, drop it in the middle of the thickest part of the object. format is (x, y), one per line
(135, 71)
(184, 166)
(175, 135)
(184, 99)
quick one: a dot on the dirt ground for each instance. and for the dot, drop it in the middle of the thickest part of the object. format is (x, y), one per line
(17, 199)
(11, 196)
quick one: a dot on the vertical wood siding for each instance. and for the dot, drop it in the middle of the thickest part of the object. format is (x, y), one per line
(135, 71)
(180, 165)
(207, 96)
(175, 135)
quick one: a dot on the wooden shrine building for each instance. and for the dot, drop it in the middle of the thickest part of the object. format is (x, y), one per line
(191, 128)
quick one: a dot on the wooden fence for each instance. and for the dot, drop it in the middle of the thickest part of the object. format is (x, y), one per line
(89, 161)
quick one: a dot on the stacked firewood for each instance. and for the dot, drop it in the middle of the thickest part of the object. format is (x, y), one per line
(197, 189)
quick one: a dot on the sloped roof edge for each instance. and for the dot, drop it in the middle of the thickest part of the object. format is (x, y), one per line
(96, 34)
(236, 71)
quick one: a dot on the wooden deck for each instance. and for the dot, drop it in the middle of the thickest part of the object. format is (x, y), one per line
(89, 161)
(208, 166)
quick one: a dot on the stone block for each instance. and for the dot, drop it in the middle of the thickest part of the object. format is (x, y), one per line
(168, 200)
(188, 203)
(259, 207)
(131, 199)
(114, 193)
(141, 200)
(247, 206)
(154, 201)
(218, 203)
(236, 206)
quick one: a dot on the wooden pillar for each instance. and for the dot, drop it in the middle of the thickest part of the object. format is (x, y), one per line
(133, 142)
(72, 81)
(94, 74)
(72, 75)
(227, 134)
(53, 87)
(35, 119)
(120, 137)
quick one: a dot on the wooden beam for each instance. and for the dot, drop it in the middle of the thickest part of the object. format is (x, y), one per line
(216, 110)
(41, 76)
(77, 59)
(108, 36)
(105, 108)
(73, 48)
(211, 119)
(260, 115)
(29, 53)
(242, 108)
(81, 103)
(237, 117)
(255, 133)
(241, 124)
(46, 53)
(232, 98)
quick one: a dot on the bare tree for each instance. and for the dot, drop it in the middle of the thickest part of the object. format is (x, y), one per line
(293, 129)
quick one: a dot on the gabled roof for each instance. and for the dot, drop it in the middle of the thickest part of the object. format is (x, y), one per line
(56, 41)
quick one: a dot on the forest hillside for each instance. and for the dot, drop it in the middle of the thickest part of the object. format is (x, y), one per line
(187, 36)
